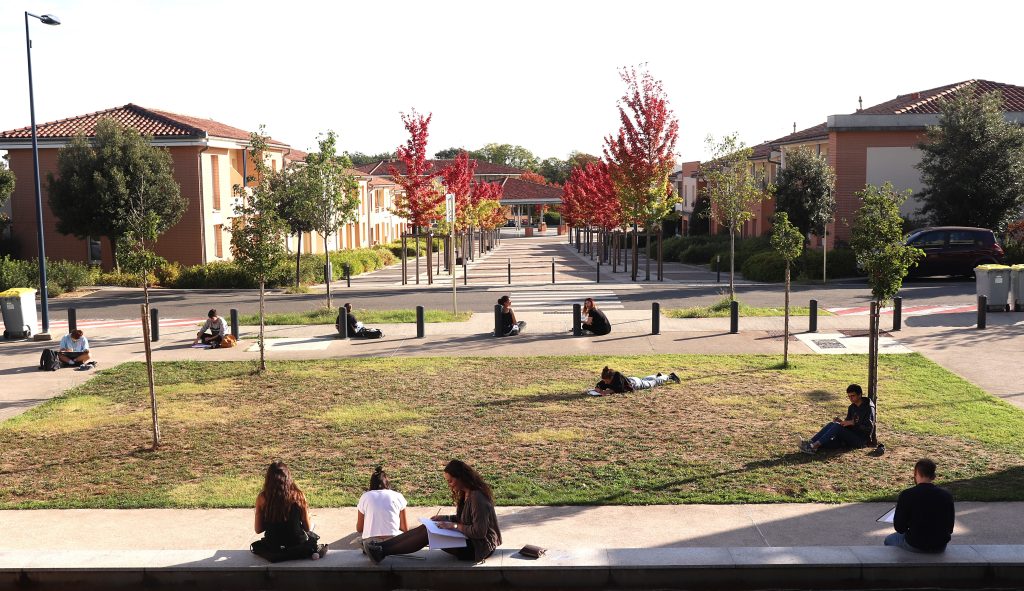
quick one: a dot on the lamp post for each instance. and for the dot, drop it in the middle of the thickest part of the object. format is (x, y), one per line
(46, 19)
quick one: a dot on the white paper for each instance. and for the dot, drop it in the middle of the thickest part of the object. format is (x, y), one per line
(438, 538)
(595, 393)
(888, 517)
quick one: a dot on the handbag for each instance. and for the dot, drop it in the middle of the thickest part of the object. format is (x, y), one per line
(531, 551)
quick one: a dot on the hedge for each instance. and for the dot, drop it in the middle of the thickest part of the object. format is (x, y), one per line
(61, 276)
(768, 266)
(842, 262)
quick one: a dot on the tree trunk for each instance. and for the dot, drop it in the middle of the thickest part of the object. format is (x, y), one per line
(263, 348)
(417, 232)
(732, 264)
(327, 278)
(785, 330)
(636, 251)
(113, 253)
(149, 365)
(876, 313)
(647, 253)
(824, 256)
(298, 258)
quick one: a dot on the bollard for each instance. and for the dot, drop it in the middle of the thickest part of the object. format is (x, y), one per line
(982, 310)
(655, 318)
(72, 320)
(599, 271)
(734, 317)
(348, 275)
(718, 267)
(552, 270)
(465, 274)
(897, 313)
(497, 320)
(343, 322)
(812, 312)
(234, 323)
(510, 271)
(154, 325)
(577, 320)
(420, 329)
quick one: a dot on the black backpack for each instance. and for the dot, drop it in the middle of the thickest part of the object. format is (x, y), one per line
(370, 333)
(49, 360)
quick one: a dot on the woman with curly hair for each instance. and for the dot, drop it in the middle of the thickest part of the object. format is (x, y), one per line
(474, 517)
(283, 514)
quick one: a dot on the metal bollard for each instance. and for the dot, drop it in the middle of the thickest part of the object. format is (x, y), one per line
(655, 318)
(577, 320)
(420, 328)
(982, 310)
(718, 267)
(599, 271)
(510, 271)
(734, 317)
(897, 313)
(234, 323)
(497, 320)
(552, 270)
(72, 320)
(154, 325)
(348, 275)
(812, 324)
(343, 322)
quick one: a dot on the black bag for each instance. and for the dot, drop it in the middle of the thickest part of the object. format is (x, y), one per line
(49, 360)
(275, 553)
(370, 333)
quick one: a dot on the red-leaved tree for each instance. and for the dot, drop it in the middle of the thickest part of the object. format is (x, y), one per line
(641, 155)
(418, 199)
(458, 180)
(589, 197)
(486, 199)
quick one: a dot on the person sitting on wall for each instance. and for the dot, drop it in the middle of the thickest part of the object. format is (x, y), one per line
(74, 350)
(594, 320)
(213, 330)
(924, 514)
(853, 431)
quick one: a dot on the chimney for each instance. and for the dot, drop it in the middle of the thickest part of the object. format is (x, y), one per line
(916, 95)
(794, 127)
(860, 103)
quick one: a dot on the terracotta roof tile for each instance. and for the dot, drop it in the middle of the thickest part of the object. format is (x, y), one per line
(816, 132)
(929, 101)
(516, 189)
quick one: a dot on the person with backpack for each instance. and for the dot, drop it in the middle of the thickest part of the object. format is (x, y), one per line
(213, 330)
(74, 350)
(613, 382)
(381, 511)
(282, 516)
(356, 328)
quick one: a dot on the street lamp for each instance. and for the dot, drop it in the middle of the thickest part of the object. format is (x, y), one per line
(46, 19)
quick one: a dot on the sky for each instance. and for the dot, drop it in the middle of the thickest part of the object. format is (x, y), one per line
(541, 74)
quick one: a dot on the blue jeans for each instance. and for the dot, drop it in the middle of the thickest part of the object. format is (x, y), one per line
(900, 541)
(647, 382)
(834, 435)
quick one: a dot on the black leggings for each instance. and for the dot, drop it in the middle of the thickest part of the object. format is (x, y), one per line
(416, 539)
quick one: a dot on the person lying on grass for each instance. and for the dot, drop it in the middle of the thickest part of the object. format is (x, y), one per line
(853, 431)
(613, 382)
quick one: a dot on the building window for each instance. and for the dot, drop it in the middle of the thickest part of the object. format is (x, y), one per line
(215, 169)
(95, 252)
(218, 241)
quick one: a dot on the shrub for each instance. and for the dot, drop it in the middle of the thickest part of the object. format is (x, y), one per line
(167, 273)
(672, 248)
(842, 262)
(120, 279)
(552, 218)
(768, 266)
(215, 275)
(68, 275)
(17, 273)
(1014, 252)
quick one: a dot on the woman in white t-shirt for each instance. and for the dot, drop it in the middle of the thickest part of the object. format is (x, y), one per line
(381, 510)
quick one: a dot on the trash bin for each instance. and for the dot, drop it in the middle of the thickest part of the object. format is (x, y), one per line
(993, 282)
(1017, 287)
(19, 311)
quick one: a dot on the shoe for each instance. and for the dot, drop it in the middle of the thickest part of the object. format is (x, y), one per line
(84, 367)
(375, 552)
(321, 550)
(93, 364)
(808, 448)
(672, 377)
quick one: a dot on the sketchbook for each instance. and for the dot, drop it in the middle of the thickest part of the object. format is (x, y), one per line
(888, 517)
(442, 538)
(595, 393)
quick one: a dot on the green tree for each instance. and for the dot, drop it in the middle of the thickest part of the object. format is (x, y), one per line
(805, 189)
(329, 194)
(257, 237)
(6, 189)
(94, 194)
(734, 189)
(508, 155)
(972, 164)
(447, 153)
(359, 159)
(877, 241)
(788, 241)
(291, 210)
(554, 170)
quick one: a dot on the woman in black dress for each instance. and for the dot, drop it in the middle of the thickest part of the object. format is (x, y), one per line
(282, 516)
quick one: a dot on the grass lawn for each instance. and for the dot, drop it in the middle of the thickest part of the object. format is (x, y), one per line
(329, 315)
(727, 434)
(721, 310)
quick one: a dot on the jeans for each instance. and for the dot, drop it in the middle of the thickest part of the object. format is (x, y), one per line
(834, 435)
(516, 328)
(647, 382)
(900, 541)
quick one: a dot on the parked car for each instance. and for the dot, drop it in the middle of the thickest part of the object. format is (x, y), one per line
(954, 250)
(510, 224)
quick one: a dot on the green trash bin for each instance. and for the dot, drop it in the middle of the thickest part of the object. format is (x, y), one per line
(1017, 287)
(993, 282)
(19, 311)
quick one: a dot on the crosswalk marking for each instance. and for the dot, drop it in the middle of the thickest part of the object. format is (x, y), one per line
(556, 301)
(923, 310)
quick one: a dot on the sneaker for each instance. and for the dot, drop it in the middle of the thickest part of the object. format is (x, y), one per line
(375, 552)
(84, 367)
(93, 364)
(808, 448)
(321, 550)
(672, 377)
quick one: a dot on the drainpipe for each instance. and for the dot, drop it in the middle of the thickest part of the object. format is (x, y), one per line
(202, 202)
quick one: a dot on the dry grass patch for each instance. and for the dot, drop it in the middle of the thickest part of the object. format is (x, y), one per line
(549, 436)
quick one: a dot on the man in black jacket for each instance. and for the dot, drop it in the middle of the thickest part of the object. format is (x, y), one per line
(853, 431)
(924, 514)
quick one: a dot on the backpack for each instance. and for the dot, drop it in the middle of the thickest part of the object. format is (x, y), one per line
(49, 360)
(370, 333)
(227, 342)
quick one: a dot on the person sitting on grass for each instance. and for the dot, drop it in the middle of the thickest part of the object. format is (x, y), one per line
(74, 350)
(594, 320)
(613, 382)
(474, 517)
(853, 431)
(381, 511)
(509, 325)
(216, 327)
(282, 512)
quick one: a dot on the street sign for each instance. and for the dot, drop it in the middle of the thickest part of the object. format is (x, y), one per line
(449, 208)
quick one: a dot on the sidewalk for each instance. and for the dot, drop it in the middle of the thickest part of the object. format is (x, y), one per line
(556, 528)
